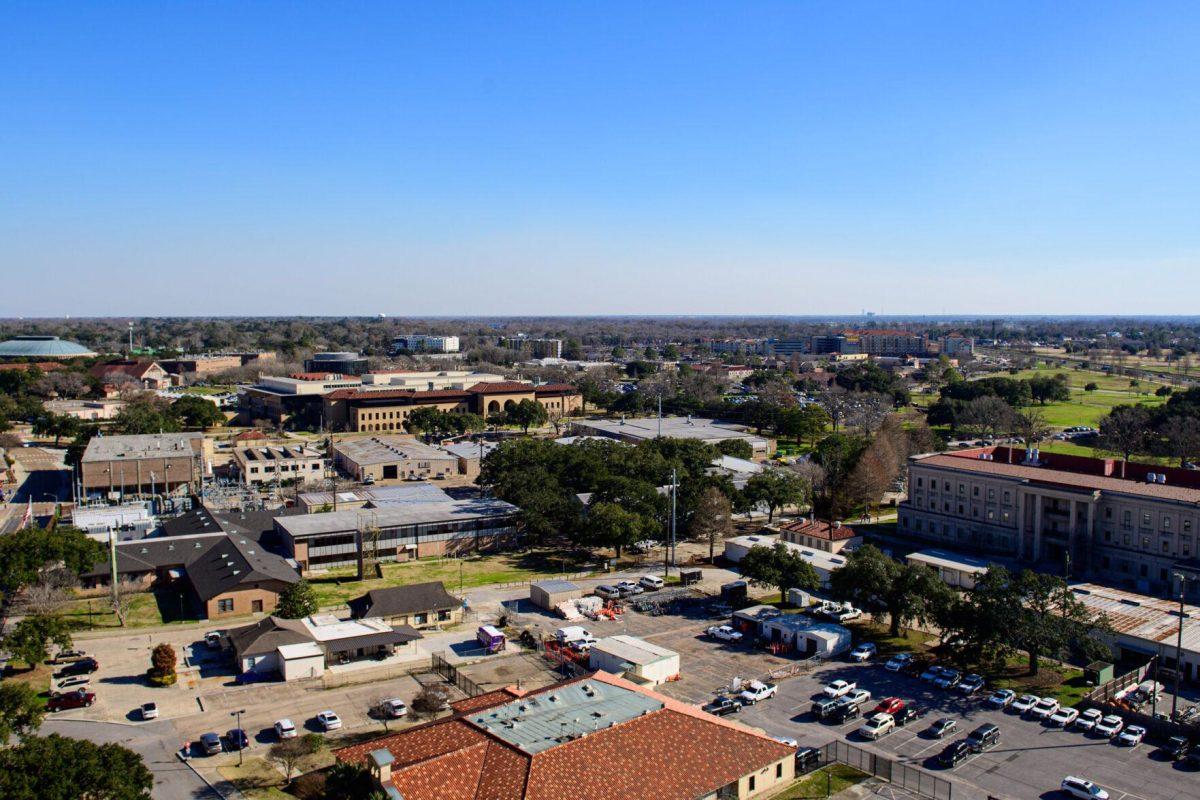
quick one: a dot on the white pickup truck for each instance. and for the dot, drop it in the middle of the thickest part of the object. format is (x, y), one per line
(757, 690)
(839, 688)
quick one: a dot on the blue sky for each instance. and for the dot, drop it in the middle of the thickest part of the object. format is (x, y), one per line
(569, 158)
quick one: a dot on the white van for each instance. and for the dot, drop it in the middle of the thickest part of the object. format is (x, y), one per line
(575, 636)
(652, 582)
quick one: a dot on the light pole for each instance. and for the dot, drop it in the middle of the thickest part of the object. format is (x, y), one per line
(1183, 579)
(240, 743)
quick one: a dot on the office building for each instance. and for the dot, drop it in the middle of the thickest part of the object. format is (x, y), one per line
(530, 347)
(424, 343)
(279, 464)
(390, 459)
(369, 409)
(345, 363)
(149, 375)
(144, 464)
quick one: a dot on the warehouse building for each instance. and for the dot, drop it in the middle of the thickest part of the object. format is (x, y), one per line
(391, 459)
(398, 533)
(824, 563)
(634, 659)
(144, 464)
(644, 429)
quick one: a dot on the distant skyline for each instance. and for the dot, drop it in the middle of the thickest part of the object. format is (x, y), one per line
(546, 159)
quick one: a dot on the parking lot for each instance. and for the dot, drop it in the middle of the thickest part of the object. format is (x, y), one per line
(1029, 761)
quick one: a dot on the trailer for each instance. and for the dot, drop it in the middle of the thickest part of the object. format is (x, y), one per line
(491, 638)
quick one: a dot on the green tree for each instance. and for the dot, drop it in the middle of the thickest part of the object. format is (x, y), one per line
(346, 781)
(881, 585)
(30, 639)
(296, 601)
(776, 489)
(21, 710)
(1051, 618)
(528, 413)
(611, 525)
(196, 412)
(572, 350)
(56, 425)
(738, 448)
(780, 567)
(145, 414)
(57, 768)
(26, 554)
(1091, 386)
(805, 422)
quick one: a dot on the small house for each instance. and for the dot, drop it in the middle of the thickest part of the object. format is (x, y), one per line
(635, 659)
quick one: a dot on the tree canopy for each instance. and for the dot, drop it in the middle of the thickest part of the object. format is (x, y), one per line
(57, 768)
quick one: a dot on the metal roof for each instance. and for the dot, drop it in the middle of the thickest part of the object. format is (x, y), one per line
(1152, 620)
(539, 722)
(143, 445)
(944, 558)
(395, 516)
(42, 347)
(388, 450)
(634, 650)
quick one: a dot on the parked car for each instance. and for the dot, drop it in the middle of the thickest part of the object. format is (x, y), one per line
(67, 656)
(1023, 703)
(1064, 717)
(943, 728)
(394, 708)
(1110, 726)
(899, 662)
(1044, 708)
(948, 679)
(74, 680)
(757, 690)
(839, 688)
(878, 726)
(213, 639)
(859, 697)
(970, 685)
(238, 740)
(210, 744)
(1174, 748)
(285, 729)
(650, 582)
(789, 741)
(823, 706)
(724, 633)
(985, 737)
(329, 721)
(1088, 719)
(807, 758)
(627, 588)
(607, 592)
(954, 753)
(84, 666)
(1132, 736)
(908, 714)
(1083, 789)
(889, 705)
(65, 701)
(864, 652)
(933, 672)
(149, 710)
(1193, 756)
(1001, 698)
(844, 711)
(722, 706)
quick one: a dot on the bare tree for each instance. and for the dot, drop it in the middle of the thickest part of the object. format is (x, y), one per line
(1125, 431)
(868, 410)
(1030, 426)
(1181, 437)
(986, 416)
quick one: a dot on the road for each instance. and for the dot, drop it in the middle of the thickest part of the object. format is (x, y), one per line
(43, 478)
(155, 742)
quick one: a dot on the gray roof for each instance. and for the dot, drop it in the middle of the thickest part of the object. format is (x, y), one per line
(266, 635)
(469, 450)
(234, 561)
(416, 492)
(400, 634)
(555, 585)
(395, 516)
(388, 450)
(42, 347)
(398, 600)
(142, 445)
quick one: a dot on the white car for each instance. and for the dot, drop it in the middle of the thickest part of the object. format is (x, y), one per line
(864, 652)
(1064, 717)
(652, 582)
(1002, 698)
(878, 726)
(757, 690)
(149, 710)
(630, 588)
(1088, 719)
(839, 688)
(329, 721)
(1023, 703)
(1110, 726)
(394, 708)
(859, 697)
(1083, 789)
(898, 662)
(724, 633)
(1132, 736)
(789, 741)
(284, 729)
(1044, 708)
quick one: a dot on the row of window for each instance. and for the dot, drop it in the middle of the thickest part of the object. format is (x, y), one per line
(285, 468)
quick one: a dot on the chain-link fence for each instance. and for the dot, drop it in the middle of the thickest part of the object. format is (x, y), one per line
(894, 772)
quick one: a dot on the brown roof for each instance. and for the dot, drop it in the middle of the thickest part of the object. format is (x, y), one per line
(1057, 477)
(677, 751)
(398, 394)
(246, 436)
(820, 529)
(501, 387)
(549, 388)
(134, 369)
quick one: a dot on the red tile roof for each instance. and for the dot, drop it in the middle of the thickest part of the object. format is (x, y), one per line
(675, 752)
(134, 369)
(501, 387)
(820, 529)
(555, 388)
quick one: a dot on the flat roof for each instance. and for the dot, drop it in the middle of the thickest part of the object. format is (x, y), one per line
(1050, 476)
(634, 650)
(818, 558)
(415, 492)
(944, 558)
(328, 628)
(539, 722)
(556, 585)
(672, 427)
(142, 445)
(394, 516)
(387, 450)
(301, 650)
(468, 450)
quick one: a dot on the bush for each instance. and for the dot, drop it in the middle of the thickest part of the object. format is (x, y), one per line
(155, 678)
(430, 700)
(162, 666)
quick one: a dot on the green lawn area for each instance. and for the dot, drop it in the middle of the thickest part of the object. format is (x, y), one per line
(339, 586)
(1066, 684)
(208, 389)
(1086, 408)
(909, 641)
(823, 782)
(141, 610)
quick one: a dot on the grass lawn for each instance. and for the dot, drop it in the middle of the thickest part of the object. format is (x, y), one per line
(823, 782)
(141, 610)
(338, 586)
(37, 678)
(909, 641)
(1066, 684)
(1086, 408)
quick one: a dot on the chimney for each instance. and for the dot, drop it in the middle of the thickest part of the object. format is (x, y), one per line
(379, 763)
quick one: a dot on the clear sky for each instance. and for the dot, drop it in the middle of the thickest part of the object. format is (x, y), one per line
(570, 158)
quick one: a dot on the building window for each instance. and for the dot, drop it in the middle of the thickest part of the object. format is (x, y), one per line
(224, 606)
(443, 616)
(1187, 525)
(779, 770)
(1007, 497)
(1166, 545)
(920, 482)
(1146, 519)
(1107, 513)
(420, 619)
(751, 786)
(975, 491)
(992, 494)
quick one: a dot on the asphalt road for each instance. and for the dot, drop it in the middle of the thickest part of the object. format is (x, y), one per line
(155, 742)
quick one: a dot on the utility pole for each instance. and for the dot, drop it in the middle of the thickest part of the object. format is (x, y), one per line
(112, 567)
(674, 493)
(660, 415)
(1179, 644)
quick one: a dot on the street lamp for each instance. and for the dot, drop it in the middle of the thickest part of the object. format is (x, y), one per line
(1183, 579)
(239, 734)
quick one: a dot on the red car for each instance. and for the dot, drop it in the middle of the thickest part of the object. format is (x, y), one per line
(67, 700)
(889, 705)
